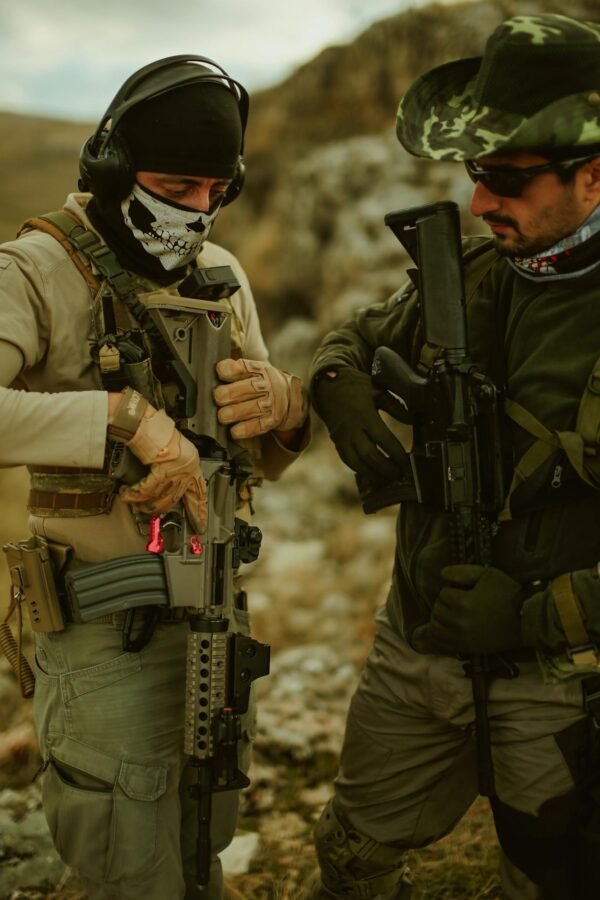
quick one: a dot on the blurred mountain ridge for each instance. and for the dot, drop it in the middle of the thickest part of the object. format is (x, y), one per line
(323, 167)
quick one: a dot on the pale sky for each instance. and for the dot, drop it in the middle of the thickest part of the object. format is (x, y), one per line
(67, 58)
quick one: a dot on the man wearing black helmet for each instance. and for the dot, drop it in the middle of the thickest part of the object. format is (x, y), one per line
(86, 373)
(524, 120)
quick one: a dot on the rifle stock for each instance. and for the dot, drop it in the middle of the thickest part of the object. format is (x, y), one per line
(431, 235)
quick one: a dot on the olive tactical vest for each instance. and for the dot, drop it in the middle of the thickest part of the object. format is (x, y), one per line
(127, 350)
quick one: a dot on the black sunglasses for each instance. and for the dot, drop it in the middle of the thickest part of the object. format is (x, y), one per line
(509, 181)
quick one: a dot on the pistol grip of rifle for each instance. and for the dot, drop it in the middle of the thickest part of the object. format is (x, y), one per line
(404, 390)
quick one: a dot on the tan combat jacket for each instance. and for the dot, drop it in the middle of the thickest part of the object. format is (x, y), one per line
(54, 410)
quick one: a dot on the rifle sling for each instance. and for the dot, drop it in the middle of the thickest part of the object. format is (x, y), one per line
(546, 442)
(582, 650)
(62, 225)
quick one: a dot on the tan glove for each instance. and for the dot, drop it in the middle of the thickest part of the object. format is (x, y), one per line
(258, 398)
(175, 471)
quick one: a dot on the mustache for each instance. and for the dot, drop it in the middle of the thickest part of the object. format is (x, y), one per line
(499, 219)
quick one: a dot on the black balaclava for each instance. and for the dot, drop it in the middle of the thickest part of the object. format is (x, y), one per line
(194, 129)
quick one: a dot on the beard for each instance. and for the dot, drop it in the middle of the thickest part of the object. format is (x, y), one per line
(538, 234)
(520, 245)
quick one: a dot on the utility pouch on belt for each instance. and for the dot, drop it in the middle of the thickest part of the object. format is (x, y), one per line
(110, 587)
(33, 585)
(32, 578)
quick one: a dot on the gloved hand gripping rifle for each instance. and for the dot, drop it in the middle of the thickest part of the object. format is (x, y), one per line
(221, 664)
(456, 457)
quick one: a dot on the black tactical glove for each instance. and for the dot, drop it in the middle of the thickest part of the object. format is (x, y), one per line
(348, 403)
(477, 611)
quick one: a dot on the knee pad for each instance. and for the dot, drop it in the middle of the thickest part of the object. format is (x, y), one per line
(353, 865)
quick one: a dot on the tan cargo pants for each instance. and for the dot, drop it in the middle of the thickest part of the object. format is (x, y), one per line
(408, 768)
(110, 727)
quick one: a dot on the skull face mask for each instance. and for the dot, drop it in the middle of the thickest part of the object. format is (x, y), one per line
(169, 233)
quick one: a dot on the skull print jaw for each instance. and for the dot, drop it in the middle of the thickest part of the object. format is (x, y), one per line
(169, 233)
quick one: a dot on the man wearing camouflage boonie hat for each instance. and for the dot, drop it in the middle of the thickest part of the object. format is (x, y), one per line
(525, 120)
(536, 88)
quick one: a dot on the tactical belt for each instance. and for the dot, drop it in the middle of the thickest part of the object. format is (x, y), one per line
(73, 491)
(43, 503)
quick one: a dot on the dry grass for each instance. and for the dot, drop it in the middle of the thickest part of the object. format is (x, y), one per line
(460, 867)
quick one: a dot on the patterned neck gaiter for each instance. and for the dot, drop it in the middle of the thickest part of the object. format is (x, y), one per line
(572, 256)
(169, 233)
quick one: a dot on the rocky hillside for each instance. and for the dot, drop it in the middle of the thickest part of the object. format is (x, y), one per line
(323, 165)
(38, 166)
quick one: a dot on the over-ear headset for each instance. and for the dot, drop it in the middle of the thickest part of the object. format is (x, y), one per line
(105, 164)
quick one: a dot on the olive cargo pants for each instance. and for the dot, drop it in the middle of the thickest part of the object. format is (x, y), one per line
(110, 727)
(408, 769)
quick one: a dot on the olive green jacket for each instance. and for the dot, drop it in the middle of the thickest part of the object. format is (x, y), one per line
(539, 341)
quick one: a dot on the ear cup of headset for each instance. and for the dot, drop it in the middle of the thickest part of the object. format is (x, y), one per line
(237, 183)
(105, 165)
(107, 172)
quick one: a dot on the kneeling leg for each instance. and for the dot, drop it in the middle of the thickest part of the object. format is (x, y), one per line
(354, 865)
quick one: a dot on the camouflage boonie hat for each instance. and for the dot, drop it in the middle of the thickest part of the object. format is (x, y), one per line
(536, 87)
